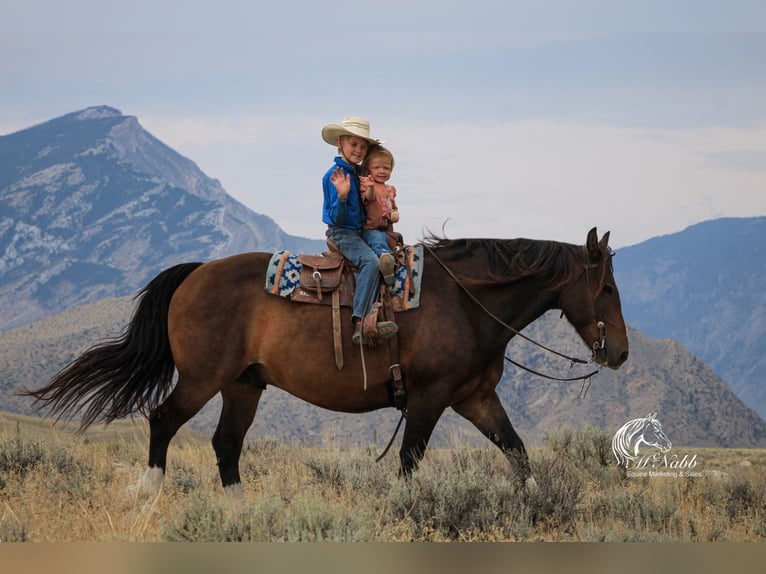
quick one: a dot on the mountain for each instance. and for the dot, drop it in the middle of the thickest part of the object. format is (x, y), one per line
(93, 206)
(705, 287)
(695, 406)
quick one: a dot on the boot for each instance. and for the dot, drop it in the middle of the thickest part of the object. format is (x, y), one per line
(384, 329)
(357, 336)
(386, 265)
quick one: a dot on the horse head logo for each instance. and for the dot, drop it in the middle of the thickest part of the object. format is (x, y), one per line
(634, 434)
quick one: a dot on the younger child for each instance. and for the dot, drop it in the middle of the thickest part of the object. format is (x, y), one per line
(380, 204)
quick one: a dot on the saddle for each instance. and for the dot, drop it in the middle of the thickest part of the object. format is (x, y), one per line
(329, 275)
(322, 276)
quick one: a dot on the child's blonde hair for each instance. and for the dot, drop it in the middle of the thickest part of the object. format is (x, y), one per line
(376, 150)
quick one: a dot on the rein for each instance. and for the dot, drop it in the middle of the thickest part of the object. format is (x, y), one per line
(497, 319)
(584, 378)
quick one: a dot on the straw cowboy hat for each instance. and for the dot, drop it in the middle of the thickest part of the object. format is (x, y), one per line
(350, 126)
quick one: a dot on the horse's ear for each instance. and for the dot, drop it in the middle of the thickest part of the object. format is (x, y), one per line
(591, 244)
(605, 241)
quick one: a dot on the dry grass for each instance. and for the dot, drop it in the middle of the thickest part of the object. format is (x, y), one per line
(58, 486)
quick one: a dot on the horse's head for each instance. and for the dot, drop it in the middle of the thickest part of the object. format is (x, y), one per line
(653, 435)
(591, 303)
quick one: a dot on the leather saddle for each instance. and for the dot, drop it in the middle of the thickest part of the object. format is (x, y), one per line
(330, 276)
(322, 276)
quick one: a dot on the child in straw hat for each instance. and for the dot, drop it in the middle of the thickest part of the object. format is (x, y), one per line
(344, 214)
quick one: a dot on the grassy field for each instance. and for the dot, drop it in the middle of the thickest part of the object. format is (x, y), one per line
(57, 486)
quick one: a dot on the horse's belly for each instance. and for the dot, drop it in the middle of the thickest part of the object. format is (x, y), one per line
(337, 395)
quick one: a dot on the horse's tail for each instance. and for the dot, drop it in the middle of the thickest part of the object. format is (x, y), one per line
(128, 374)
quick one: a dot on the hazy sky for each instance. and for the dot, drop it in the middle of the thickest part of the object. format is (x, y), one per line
(507, 118)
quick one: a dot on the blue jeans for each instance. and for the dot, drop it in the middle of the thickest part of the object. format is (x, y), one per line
(377, 239)
(353, 247)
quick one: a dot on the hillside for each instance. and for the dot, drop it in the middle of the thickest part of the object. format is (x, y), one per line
(705, 287)
(93, 206)
(128, 430)
(695, 406)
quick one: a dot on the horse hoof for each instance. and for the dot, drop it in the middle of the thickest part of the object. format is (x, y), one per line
(234, 492)
(152, 480)
(530, 484)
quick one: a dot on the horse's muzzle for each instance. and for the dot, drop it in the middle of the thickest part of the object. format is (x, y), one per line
(602, 354)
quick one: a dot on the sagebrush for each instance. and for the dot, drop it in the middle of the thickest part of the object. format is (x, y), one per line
(61, 487)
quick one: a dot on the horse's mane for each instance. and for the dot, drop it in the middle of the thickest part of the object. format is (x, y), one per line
(511, 260)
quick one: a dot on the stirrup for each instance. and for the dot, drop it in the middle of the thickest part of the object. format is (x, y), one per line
(387, 329)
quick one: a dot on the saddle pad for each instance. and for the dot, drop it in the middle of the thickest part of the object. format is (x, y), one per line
(284, 273)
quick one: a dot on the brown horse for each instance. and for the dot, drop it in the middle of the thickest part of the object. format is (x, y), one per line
(225, 334)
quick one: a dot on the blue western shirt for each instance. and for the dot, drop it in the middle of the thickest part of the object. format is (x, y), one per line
(347, 214)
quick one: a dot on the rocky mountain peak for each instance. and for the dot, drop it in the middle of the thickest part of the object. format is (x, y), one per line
(92, 205)
(97, 113)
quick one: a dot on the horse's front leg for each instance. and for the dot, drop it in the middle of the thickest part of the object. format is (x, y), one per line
(423, 412)
(484, 409)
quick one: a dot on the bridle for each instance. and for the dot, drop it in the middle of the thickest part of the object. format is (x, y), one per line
(599, 345)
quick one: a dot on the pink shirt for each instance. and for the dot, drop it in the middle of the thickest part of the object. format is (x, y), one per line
(379, 209)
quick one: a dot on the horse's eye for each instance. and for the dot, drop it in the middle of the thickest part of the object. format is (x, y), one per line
(608, 289)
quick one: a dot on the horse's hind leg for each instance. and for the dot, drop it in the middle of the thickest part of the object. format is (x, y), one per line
(487, 414)
(187, 398)
(240, 401)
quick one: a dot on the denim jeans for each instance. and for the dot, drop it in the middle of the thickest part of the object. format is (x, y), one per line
(353, 247)
(377, 239)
